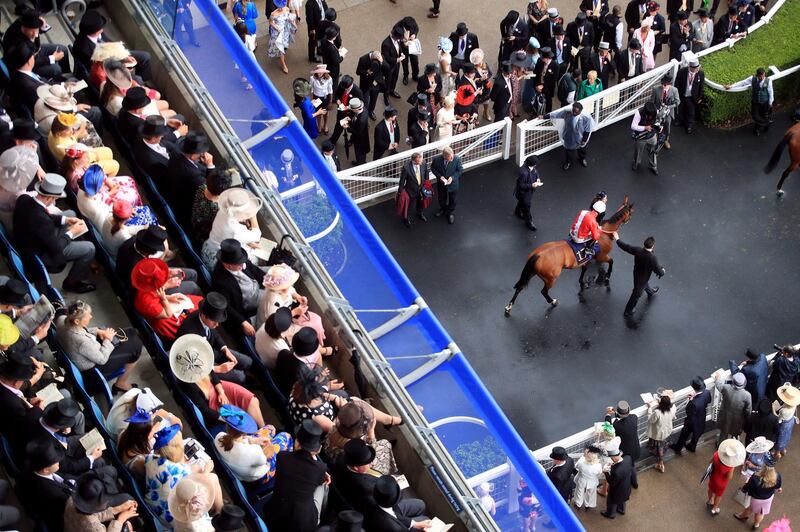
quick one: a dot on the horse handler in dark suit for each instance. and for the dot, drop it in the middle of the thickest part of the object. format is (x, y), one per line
(412, 177)
(645, 263)
(527, 183)
(447, 170)
(695, 422)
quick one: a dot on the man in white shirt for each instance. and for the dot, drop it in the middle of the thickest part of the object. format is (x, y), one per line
(42, 484)
(761, 99)
(329, 154)
(643, 124)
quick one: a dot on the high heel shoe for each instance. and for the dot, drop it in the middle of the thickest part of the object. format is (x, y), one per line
(393, 424)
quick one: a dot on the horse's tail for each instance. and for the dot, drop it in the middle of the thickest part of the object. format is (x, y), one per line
(776, 155)
(527, 272)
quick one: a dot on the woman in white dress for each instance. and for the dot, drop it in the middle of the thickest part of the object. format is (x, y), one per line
(235, 219)
(645, 35)
(586, 481)
(446, 117)
(606, 439)
(445, 72)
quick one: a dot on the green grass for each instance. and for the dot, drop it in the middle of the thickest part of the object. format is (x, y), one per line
(776, 44)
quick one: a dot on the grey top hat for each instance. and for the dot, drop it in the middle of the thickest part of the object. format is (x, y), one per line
(51, 185)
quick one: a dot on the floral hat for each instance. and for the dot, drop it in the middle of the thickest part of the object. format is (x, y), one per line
(280, 277)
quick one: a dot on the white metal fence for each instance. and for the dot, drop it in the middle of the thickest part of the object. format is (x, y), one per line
(376, 179)
(505, 478)
(611, 105)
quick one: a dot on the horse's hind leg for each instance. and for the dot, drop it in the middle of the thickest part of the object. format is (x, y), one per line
(548, 284)
(580, 279)
(511, 303)
(792, 167)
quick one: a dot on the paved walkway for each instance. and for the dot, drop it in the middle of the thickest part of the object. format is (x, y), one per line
(676, 501)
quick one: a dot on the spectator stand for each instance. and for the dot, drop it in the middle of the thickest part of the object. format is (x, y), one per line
(411, 361)
(621, 101)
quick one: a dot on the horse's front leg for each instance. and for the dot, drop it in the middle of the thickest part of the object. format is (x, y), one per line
(610, 268)
(582, 284)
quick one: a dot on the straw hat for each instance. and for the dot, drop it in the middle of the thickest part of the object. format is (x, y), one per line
(149, 274)
(191, 358)
(56, 97)
(18, 167)
(476, 56)
(784, 412)
(191, 499)
(239, 203)
(759, 445)
(320, 69)
(104, 51)
(280, 277)
(731, 452)
(789, 394)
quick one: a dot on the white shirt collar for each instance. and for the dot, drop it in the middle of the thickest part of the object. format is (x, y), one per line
(158, 148)
(13, 390)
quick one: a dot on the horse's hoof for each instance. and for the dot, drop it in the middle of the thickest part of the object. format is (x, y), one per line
(607, 282)
(508, 310)
(780, 193)
(554, 303)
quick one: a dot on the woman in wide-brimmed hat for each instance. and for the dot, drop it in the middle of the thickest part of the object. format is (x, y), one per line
(761, 488)
(89, 508)
(236, 219)
(103, 52)
(785, 407)
(730, 455)
(302, 100)
(191, 359)
(118, 80)
(164, 312)
(279, 283)
(54, 99)
(322, 90)
(19, 166)
(66, 132)
(248, 450)
(98, 193)
(189, 503)
(757, 451)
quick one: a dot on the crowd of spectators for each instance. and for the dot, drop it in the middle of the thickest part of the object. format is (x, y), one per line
(753, 436)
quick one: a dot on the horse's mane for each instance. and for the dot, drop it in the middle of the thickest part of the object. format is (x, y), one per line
(617, 216)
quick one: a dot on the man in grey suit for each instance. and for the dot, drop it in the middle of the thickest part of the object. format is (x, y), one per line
(666, 94)
(447, 170)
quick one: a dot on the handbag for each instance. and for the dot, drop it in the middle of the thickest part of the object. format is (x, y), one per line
(742, 497)
(707, 473)
(280, 255)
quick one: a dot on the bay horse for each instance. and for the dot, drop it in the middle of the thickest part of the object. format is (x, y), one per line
(792, 139)
(550, 258)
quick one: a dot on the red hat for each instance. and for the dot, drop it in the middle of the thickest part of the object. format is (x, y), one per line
(149, 274)
(465, 95)
(122, 209)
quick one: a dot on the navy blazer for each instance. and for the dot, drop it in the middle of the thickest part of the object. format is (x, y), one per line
(441, 168)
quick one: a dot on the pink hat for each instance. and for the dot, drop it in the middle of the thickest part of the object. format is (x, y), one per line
(122, 209)
(280, 277)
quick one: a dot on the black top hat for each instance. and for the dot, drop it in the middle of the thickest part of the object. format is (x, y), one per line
(468, 68)
(581, 16)
(558, 29)
(358, 453)
(698, 384)
(281, 319)
(14, 292)
(559, 453)
(751, 354)
(92, 22)
(153, 126)
(151, 239)
(90, 495)
(18, 365)
(386, 491)
(702, 12)
(327, 145)
(31, 18)
(349, 521)
(305, 342)
(43, 452)
(666, 79)
(214, 307)
(461, 29)
(546, 52)
(25, 129)
(193, 143)
(135, 98)
(683, 15)
(61, 414)
(389, 111)
(398, 32)
(634, 44)
(231, 252)
(505, 67)
(308, 435)
(732, 11)
(229, 519)
(422, 114)
(422, 98)
(19, 54)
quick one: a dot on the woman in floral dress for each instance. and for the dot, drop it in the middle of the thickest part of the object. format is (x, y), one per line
(282, 27)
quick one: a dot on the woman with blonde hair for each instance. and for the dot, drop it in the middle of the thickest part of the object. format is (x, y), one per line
(761, 488)
(591, 85)
(446, 118)
(68, 131)
(647, 37)
(588, 478)
(483, 81)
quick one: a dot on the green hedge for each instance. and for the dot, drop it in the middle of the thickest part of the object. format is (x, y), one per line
(777, 43)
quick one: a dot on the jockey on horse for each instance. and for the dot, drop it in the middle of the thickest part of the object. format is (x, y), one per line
(585, 230)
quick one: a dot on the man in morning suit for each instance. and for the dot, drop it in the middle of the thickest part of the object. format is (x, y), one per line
(358, 126)
(601, 62)
(689, 83)
(546, 74)
(626, 426)
(695, 422)
(52, 237)
(372, 73)
(447, 170)
(527, 183)
(23, 81)
(619, 482)
(239, 280)
(419, 132)
(42, 485)
(386, 135)
(392, 53)
(15, 372)
(629, 61)
(645, 263)
(501, 93)
(463, 44)
(329, 52)
(51, 60)
(412, 176)
(343, 92)
(152, 150)
(561, 472)
(188, 168)
(90, 34)
(354, 476)
(315, 12)
(229, 365)
(389, 513)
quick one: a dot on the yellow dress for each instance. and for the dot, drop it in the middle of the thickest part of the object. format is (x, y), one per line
(102, 155)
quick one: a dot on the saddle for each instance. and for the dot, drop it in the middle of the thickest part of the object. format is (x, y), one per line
(583, 253)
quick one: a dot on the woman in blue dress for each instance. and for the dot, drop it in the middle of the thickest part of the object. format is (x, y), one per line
(302, 100)
(246, 11)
